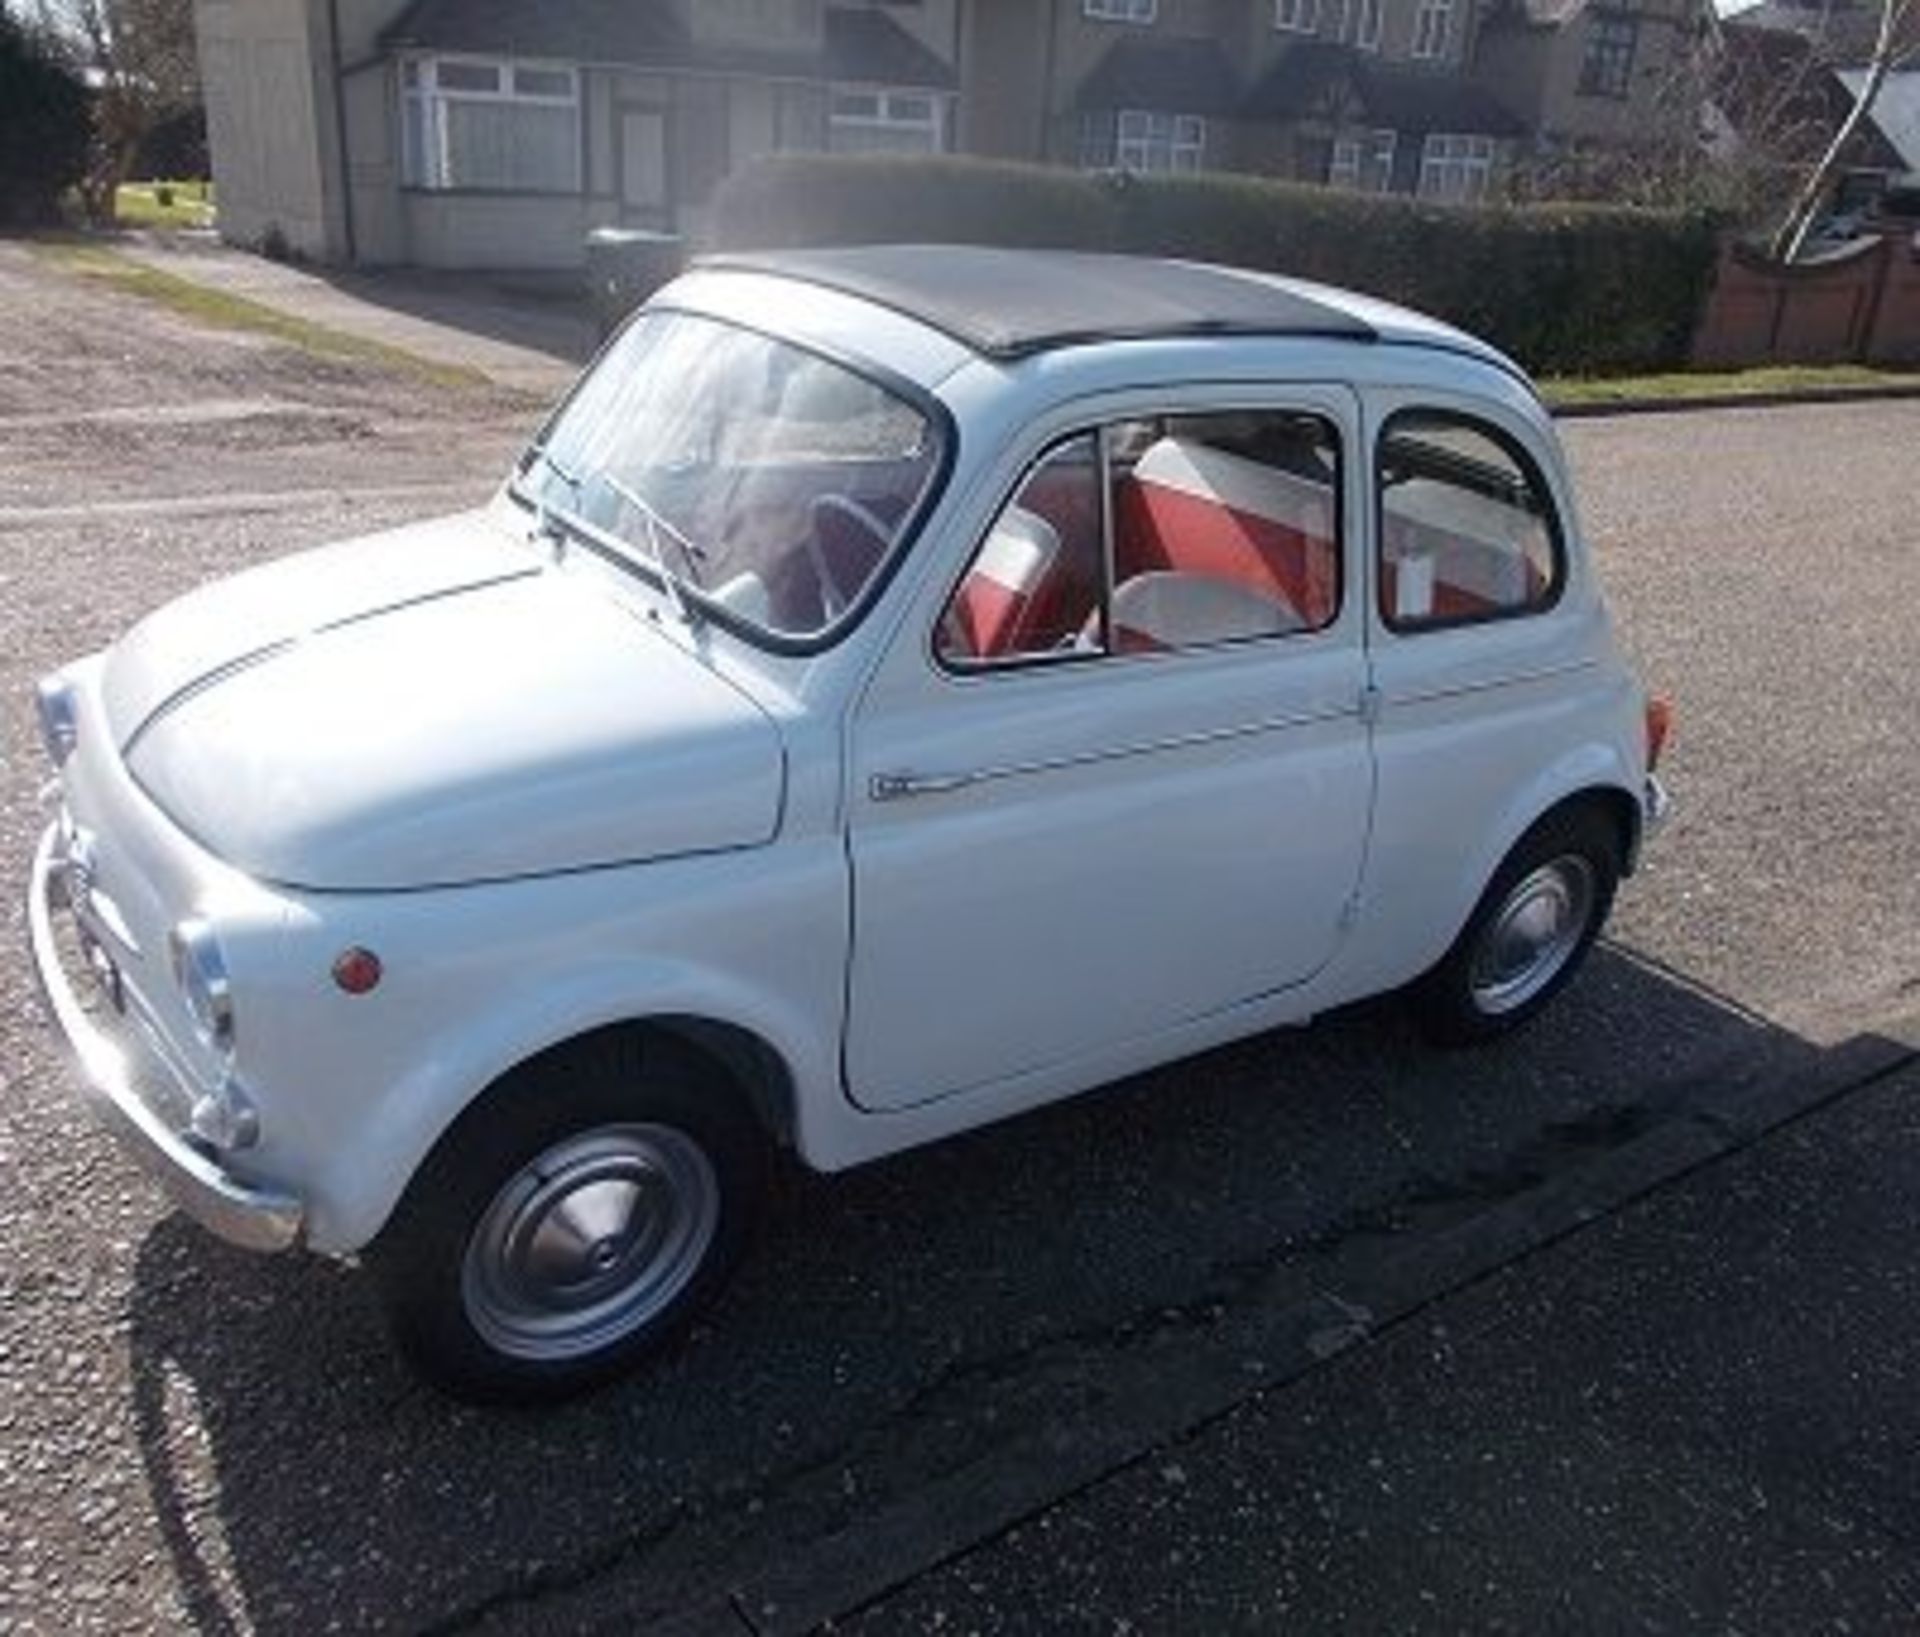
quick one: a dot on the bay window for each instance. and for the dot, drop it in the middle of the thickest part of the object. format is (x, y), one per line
(870, 121)
(490, 123)
(1455, 167)
(1145, 141)
(1363, 160)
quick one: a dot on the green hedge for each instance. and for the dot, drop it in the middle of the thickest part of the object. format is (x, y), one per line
(1566, 289)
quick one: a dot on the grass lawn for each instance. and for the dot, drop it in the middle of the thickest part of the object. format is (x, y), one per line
(165, 204)
(1681, 386)
(220, 310)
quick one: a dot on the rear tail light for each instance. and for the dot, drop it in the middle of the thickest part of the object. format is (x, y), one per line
(1659, 725)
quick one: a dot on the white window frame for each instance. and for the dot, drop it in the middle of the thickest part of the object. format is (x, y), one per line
(426, 144)
(1120, 11)
(1455, 166)
(1366, 31)
(1149, 141)
(888, 119)
(1376, 171)
(1296, 16)
(1343, 164)
(1363, 160)
(1613, 41)
(1432, 23)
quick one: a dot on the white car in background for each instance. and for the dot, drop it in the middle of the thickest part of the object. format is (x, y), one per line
(899, 688)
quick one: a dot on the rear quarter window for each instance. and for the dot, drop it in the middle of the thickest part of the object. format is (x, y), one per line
(1468, 528)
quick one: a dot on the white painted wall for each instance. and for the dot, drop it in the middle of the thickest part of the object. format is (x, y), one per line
(265, 130)
(477, 230)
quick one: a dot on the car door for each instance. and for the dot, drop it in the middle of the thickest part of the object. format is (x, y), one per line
(1487, 649)
(1114, 777)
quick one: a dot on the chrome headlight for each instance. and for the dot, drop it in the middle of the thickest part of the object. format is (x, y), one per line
(59, 714)
(200, 970)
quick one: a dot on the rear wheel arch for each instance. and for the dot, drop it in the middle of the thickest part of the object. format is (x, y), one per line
(1621, 810)
(1542, 907)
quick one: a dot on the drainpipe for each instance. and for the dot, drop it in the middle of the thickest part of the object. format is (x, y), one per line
(958, 115)
(336, 73)
(1048, 68)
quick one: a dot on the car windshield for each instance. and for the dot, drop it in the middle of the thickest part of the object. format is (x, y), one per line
(756, 479)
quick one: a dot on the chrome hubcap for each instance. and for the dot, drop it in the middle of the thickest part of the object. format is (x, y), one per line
(1529, 941)
(591, 1241)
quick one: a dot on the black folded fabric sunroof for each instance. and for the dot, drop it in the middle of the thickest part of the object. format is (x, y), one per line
(1013, 303)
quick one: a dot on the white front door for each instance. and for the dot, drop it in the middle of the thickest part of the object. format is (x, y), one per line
(643, 162)
(1064, 837)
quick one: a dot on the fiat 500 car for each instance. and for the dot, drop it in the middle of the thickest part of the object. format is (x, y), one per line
(897, 688)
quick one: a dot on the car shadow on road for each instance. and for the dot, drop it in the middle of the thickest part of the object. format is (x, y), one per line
(895, 1322)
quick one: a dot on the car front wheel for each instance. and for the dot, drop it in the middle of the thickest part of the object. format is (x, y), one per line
(571, 1222)
(1529, 932)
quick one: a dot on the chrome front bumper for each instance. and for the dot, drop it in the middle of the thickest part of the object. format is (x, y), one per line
(244, 1213)
(1655, 807)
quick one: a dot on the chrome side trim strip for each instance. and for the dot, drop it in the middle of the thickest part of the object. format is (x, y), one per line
(1542, 673)
(893, 786)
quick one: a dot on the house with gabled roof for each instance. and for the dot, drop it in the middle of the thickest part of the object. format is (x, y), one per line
(1369, 94)
(1607, 74)
(496, 133)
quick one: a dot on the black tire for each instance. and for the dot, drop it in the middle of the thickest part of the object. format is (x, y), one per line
(1567, 865)
(506, 1285)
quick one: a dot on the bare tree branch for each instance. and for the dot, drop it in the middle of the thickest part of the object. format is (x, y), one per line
(1890, 46)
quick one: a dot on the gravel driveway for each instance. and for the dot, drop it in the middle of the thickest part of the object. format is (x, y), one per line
(190, 1434)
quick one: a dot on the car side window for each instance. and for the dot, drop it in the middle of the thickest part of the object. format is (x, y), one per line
(1468, 530)
(1159, 532)
(1036, 586)
(1225, 527)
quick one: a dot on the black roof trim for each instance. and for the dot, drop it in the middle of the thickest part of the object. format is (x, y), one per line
(632, 31)
(870, 48)
(862, 47)
(1009, 304)
(1317, 76)
(1162, 74)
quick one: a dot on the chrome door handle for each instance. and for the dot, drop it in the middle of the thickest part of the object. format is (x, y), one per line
(899, 786)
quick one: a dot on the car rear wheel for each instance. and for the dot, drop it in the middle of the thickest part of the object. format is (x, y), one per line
(1528, 934)
(572, 1221)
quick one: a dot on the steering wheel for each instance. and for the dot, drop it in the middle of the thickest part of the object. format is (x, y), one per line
(845, 545)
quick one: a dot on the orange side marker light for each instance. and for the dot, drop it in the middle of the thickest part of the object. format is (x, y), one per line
(1659, 726)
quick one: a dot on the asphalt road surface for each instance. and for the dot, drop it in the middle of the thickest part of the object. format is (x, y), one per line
(190, 1434)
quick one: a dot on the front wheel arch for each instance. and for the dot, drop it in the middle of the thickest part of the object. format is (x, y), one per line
(628, 1107)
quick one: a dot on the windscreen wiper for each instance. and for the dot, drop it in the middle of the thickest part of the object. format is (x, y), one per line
(656, 525)
(544, 526)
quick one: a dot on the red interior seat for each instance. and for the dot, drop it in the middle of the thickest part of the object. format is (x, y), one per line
(1189, 508)
(993, 611)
